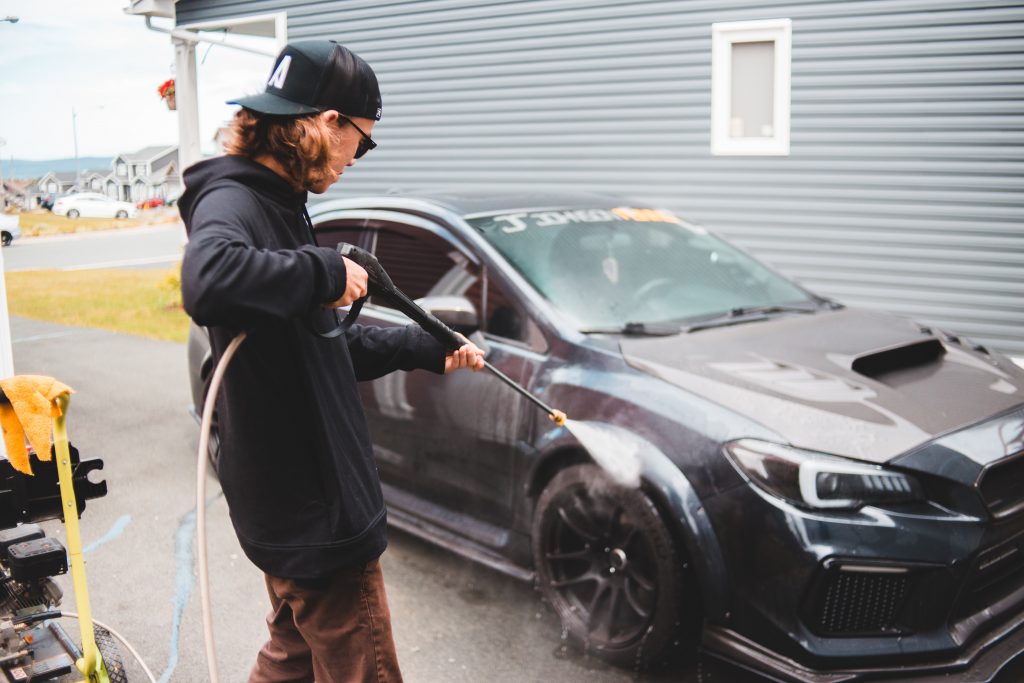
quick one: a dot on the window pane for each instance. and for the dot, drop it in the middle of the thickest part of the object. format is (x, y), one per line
(503, 317)
(422, 264)
(350, 231)
(753, 90)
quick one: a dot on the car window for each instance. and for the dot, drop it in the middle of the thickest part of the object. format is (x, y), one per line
(352, 231)
(607, 267)
(502, 317)
(420, 263)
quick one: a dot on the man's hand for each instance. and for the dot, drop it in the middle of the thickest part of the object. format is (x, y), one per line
(468, 356)
(355, 284)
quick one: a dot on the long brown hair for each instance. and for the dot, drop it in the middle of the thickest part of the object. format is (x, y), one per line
(300, 144)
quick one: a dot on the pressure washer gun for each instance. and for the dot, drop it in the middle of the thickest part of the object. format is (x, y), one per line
(380, 284)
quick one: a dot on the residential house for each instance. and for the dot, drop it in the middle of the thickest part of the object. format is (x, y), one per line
(57, 182)
(149, 172)
(22, 194)
(92, 180)
(872, 150)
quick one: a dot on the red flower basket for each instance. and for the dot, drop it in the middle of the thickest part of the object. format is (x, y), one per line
(166, 91)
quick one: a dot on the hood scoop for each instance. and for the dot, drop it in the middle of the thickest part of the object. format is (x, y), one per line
(878, 364)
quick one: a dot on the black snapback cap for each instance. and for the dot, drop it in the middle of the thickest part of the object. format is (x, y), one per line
(311, 76)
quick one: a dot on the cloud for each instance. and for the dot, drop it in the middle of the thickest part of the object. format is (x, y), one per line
(107, 65)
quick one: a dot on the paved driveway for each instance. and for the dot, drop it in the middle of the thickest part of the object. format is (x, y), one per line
(454, 621)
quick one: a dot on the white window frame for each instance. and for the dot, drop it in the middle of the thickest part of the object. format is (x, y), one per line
(723, 36)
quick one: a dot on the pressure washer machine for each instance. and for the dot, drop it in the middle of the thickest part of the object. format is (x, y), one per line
(33, 644)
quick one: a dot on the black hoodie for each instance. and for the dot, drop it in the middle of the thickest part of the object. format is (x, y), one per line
(296, 463)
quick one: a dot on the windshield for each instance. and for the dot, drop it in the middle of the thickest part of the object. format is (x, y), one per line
(607, 267)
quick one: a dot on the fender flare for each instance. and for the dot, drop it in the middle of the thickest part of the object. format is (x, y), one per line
(676, 499)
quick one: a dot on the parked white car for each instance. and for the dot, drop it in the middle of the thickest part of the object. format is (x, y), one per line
(9, 230)
(92, 205)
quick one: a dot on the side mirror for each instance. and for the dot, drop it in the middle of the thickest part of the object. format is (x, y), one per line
(457, 312)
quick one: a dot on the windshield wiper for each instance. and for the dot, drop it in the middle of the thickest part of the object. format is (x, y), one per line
(768, 310)
(746, 314)
(637, 329)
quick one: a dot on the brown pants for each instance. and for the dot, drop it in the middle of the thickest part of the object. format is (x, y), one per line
(337, 631)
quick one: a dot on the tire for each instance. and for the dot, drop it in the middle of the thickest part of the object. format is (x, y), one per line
(6, 238)
(111, 654)
(73, 213)
(121, 214)
(608, 565)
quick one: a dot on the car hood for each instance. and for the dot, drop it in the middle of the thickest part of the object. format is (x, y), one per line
(853, 383)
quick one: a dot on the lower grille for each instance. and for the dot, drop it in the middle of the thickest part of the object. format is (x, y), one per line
(859, 601)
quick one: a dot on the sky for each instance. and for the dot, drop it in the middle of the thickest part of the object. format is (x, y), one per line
(91, 56)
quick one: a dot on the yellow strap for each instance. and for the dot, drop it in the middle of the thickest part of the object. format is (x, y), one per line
(90, 665)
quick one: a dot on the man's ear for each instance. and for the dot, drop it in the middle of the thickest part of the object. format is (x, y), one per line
(330, 117)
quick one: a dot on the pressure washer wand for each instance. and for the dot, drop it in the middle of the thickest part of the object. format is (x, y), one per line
(380, 284)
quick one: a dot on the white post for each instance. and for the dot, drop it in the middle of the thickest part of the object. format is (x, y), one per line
(187, 96)
(6, 353)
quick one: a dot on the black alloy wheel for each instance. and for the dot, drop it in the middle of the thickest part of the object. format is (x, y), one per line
(608, 565)
(121, 214)
(6, 238)
(73, 213)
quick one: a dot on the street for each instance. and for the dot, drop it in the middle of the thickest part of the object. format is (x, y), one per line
(453, 620)
(158, 245)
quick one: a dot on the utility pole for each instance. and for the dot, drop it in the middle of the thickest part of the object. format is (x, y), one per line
(74, 135)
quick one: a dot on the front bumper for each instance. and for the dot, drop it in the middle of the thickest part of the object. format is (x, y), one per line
(874, 595)
(979, 663)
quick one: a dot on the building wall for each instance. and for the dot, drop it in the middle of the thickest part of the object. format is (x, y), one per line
(902, 190)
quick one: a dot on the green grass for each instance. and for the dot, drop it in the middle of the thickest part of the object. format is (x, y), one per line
(146, 303)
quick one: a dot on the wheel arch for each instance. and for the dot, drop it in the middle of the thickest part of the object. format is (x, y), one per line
(676, 500)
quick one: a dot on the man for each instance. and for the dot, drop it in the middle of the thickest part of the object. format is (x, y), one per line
(296, 463)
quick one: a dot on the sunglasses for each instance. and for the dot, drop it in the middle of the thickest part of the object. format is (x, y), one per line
(366, 143)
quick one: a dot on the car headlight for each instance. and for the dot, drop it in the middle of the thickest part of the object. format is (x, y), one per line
(816, 480)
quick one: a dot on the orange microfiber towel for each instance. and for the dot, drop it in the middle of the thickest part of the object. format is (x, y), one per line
(31, 410)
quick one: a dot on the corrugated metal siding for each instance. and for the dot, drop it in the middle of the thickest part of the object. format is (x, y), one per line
(903, 187)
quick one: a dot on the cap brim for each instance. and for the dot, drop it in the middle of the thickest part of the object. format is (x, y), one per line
(269, 103)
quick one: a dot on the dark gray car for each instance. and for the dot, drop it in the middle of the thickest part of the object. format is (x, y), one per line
(809, 490)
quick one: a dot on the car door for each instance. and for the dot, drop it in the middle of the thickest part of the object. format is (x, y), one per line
(90, 207)
(449, 441)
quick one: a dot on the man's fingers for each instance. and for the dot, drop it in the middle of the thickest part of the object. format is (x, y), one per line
(467, 356)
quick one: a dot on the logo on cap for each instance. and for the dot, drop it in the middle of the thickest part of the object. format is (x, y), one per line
(280, 73)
